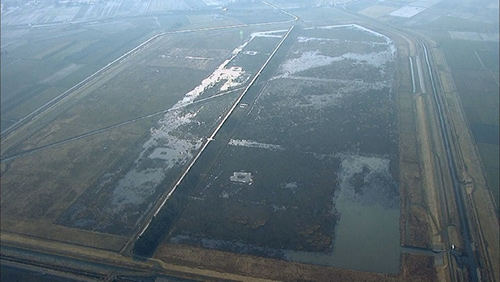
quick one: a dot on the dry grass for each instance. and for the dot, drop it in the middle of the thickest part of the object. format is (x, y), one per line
(260, 267)
(39, 229)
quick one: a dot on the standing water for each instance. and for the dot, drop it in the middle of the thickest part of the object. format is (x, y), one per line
(367, 234)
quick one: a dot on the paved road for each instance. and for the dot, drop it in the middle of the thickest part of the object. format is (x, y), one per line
(469, 257)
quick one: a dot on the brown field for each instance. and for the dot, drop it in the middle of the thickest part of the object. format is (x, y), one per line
(414, 267)
(49, 171)
(38, 186)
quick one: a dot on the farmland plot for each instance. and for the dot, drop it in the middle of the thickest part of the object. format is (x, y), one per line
(314, 156)
(126, 192)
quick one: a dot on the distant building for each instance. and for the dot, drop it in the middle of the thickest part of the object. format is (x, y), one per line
(242, 177)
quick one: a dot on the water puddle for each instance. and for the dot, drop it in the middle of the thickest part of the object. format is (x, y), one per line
(367, 234)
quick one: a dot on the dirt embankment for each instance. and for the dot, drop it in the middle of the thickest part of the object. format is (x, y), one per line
(479, 202)
(413, 134)
(422, 215)
(414, 267)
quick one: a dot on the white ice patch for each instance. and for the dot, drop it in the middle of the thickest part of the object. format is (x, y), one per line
(376, 59)
(308, 60)
(366, 180)
(272, 34)
(320, 101)
(313, 59)
(132, 188)
(165, 144)
(212, 3)
(197, 58)
(138, 183)
(253, 144)
(302, 39)
(387, 40)
(172, 154)
(232, 77)
(322, 40)
(292, 186)
(352, 164)
(357, 27)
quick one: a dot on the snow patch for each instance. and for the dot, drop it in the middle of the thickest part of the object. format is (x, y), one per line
(253, 144)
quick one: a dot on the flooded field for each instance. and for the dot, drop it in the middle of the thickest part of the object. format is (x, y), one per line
(124, 194)
(367, 200)
(309, 172)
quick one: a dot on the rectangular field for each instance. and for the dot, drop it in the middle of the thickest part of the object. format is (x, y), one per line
(308, 155)
(100, 160)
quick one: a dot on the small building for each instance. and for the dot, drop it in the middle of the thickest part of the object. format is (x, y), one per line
(241, 177)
